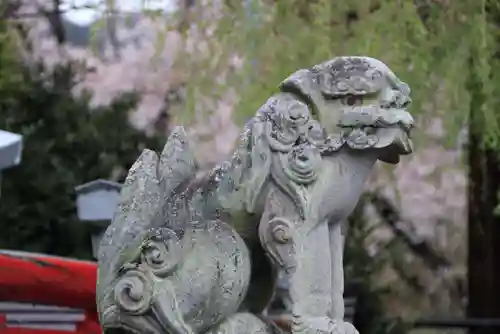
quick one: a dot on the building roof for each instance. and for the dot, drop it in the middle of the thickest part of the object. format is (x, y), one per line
(9, 138)
(10, 149)
(97, 185)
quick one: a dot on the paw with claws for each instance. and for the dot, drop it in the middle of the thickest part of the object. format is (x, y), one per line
(322, 325)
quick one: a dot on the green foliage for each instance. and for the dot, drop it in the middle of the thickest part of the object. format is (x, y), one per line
(66, 143)
(428, 45)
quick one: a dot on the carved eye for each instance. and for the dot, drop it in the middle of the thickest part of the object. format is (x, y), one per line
(352, 100)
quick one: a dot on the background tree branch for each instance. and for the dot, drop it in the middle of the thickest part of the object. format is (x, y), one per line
(391, 216)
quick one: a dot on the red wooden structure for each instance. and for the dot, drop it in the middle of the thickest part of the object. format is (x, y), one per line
(42, 294)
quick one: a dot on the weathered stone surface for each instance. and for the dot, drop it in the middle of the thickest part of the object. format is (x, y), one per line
(188, 254)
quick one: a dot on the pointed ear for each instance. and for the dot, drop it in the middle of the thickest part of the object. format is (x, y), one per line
(304, 85)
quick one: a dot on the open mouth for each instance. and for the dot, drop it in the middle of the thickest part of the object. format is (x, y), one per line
(401, 144)
(385, 129)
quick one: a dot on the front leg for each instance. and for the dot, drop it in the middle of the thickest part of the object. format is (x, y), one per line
(310, 283)
(304, 260)
(311, 254)
(336, 248)
(308, 260)
(337, 311)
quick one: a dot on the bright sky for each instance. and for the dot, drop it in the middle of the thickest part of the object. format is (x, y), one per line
(86, 16)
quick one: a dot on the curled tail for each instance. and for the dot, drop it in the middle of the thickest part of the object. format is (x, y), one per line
(149, 185)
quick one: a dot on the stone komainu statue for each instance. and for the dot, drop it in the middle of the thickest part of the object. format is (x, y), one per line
(187, 254)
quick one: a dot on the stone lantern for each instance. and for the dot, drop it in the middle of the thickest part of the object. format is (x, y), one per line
(96, 202)
(10, 150)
